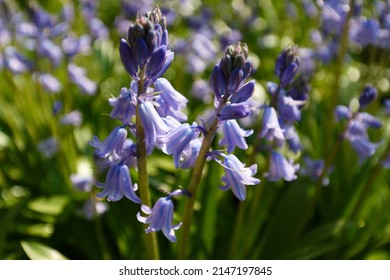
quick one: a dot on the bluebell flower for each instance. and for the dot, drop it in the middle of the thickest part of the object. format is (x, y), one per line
(48, 147)
(177, 140)
(314, 169)
(16, 62)
(342, 113)
(292, 138)
(112, 145)
(161, 216)
(154, 125)
(271, 127)
(73, 118)
(50, 83)
(190, 155)
(365, 31)
(123, 107)
(280, 168)
(234, 135)
(47, 48)
(288, 109)
(172, 97)
(363, 147)
(170, 101)
(82, 182)
(237, 176)
(118, 184)
(77, 76)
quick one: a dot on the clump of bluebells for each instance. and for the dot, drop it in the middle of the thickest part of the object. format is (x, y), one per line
(283, 110)
(358, 121)
(151, 115)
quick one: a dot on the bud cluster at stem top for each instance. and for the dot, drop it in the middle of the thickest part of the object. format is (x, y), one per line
(229, 76)
(144, 28)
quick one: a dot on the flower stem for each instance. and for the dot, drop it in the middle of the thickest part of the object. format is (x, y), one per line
(193, 187)
(143, 184)
(195, 179)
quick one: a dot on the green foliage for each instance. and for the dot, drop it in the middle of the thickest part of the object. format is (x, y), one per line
(41, 214)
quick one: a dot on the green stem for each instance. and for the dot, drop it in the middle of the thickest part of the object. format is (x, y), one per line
(143, 184)
(341, 54)
(370, 182)
(195, 180)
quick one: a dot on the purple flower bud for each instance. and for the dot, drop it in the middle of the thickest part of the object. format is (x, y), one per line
(234, 111)
(368, 95)
(141, 52)
(271, 127)
(243, 93)
(237, 176)
(287, 65)
(280, 168)
(191, 154)
(234, 136)
(156, 62)
(112, 145)
(160, 218)
(217, 82)
(118, 184)
(128, 58)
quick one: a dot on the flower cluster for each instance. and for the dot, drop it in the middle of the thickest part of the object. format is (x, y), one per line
(152, 99)
(284, 109)
(358, 123)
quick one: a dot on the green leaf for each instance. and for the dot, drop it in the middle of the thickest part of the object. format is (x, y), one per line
(38, 251)
(48, 205)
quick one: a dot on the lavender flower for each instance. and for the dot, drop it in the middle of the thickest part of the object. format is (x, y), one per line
(123, 107)
(118, 184)
(77, 76)
(237, 176)
(177, 140)
(280, 168)
(73, 118)
(154, 125)
(234, 135)
(112, 145)
(271, 127)
(50, 83)
(161, 216)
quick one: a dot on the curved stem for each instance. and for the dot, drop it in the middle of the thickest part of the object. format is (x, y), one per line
(195, 180)
(143, 183)
(193, 187)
